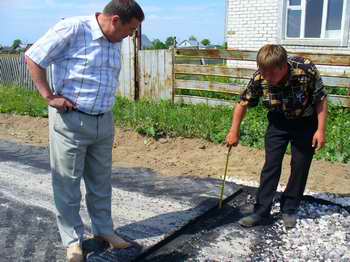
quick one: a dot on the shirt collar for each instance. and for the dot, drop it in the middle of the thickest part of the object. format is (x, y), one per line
(96, 29)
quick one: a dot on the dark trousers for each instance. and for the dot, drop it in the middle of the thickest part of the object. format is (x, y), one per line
(279, 133)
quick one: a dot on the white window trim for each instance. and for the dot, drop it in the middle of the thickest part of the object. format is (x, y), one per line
(342, 42)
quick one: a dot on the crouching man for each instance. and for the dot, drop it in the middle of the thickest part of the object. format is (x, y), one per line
(293, 92)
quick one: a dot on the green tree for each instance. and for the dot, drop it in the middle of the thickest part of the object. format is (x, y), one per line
(16, 43)
(170, 41)
(192, 38)
(205, 42)
(223, 46)
(157, 44)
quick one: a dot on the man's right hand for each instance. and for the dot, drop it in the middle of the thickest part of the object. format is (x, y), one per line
(232, 138)
(61, 103)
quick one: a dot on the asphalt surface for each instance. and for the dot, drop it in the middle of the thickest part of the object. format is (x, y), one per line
(147, 207)
(165, 218)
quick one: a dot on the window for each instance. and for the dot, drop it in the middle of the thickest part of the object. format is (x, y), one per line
(316, 19)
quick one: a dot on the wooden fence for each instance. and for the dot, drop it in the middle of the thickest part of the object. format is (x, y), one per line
(156, 78)
(339, 77)
(13, 71)
(162, 74)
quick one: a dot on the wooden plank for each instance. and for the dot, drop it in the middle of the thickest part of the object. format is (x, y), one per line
(224, 71)
(335, 79)
(147, 91)
(229, 71)
(141, 69)
(344, 74)
(317, 58)
(7, 71)
(156, 72)
(198, 61)
(127, 72)
(1, 67)
(326, 59)
(218, 54)
(173, 75)
(208, 86)
(167, 91)
(12, 70)
(343, 101)
(195, 100)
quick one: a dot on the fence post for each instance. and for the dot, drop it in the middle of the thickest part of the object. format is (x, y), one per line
(137, 41)
(173, 76)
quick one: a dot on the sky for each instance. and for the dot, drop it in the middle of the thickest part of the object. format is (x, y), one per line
(28, 20)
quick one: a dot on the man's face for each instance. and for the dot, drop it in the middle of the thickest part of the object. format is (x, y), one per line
(275, 75)
(119, 31)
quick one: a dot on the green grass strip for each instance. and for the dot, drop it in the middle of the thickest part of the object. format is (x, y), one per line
(200, 121)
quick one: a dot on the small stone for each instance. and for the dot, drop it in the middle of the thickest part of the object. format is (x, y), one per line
(163, 140)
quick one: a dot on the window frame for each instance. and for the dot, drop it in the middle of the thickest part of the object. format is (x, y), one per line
(343, 41)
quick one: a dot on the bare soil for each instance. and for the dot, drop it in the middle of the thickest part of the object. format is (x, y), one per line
(183, 156)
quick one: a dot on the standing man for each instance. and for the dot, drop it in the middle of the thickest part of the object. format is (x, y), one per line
(85, 56)
(292, 90)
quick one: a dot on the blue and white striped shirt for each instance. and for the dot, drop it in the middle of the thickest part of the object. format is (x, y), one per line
(85, 64)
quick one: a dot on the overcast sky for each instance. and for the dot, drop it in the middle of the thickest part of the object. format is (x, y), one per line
(29, 19)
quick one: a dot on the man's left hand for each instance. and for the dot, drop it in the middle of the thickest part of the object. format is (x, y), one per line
(319, 140)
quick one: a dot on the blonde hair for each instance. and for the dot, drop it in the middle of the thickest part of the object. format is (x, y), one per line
(271, 56)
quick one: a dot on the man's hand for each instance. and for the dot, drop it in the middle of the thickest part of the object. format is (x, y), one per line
(60, 103)
(39, 77)
(319, 139)
(232, 138)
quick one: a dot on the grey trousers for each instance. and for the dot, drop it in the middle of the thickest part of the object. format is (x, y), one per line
(81, 147)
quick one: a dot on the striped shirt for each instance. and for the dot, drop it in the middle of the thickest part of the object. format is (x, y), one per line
(295, 98)
(85, 65)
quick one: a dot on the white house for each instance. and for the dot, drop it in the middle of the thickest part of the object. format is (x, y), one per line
(190, 44)
(300, 25)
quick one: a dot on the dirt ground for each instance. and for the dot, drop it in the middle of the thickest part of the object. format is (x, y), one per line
(184, 157)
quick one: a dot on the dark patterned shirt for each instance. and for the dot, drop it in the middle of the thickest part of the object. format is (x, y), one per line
(295, 98)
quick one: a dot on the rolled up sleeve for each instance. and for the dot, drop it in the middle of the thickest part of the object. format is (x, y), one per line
(251, 94)
(318, 89)
(52, 45)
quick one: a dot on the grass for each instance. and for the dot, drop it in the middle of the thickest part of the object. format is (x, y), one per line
(210, 123)
(21, 101)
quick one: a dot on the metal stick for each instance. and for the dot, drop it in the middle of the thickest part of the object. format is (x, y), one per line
(224, 180)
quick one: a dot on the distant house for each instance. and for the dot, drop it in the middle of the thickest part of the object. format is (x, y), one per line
(146, 43)
(7, 50)
(212, 46)
(22, 47)
(190, 44)
(300, 25)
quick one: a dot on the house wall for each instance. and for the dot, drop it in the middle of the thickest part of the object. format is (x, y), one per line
(253, 23)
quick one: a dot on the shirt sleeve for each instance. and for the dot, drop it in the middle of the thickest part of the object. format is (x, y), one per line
(251, 94)
(318, 89)
(51, 46)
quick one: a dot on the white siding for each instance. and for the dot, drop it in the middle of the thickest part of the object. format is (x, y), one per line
(253, 23)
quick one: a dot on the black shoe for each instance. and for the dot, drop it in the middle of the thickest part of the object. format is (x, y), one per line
(289, 220)
(251, 220)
